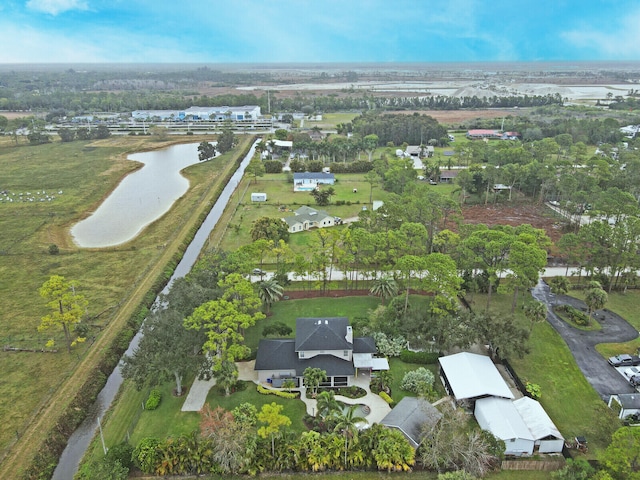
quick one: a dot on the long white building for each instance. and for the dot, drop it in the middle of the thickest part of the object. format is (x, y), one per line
(246, 112)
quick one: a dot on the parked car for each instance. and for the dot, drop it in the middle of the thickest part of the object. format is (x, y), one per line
(632, 372)
(635, 381)
(624, 360)
(258, 271)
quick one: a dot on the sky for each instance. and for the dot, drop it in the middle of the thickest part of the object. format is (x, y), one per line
(285, 31)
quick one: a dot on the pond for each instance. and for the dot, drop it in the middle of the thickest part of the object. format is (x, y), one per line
(141, 198)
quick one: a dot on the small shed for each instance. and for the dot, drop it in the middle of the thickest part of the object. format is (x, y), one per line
(414, 417)
(626, 404)
(258, 197)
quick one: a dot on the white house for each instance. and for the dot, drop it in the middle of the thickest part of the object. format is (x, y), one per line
(306, 218)
(308, 181)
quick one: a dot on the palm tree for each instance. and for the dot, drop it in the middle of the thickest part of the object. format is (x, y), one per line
(269, 291)
(327, 404)
(348, 425)
(384, 287)
(226, 376)
(536, 312)
(595, 298)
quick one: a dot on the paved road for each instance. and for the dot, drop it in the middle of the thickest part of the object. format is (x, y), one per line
(605, 379)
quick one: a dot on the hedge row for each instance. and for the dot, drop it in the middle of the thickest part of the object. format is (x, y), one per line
(422, 358)
(277, 393)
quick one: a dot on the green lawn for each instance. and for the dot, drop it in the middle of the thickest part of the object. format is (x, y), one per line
(282, 201)
(330, 120)
(286, 311)
(571, 402)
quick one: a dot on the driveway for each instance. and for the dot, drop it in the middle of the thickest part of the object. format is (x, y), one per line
(603, 377)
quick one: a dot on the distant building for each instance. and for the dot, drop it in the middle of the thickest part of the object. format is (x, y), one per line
(306, 218)
(246, 112)
(308, 181)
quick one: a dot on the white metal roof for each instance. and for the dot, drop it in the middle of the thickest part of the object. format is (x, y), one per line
(536, 419)
(471, 375)
(500, 417)
(366, 360)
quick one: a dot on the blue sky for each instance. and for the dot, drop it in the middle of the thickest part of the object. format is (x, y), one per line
(209, 31)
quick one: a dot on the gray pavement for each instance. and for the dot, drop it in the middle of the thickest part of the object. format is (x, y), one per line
(605, 379)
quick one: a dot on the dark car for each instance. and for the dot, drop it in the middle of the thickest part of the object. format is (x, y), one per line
(624, 360)
(635, 381)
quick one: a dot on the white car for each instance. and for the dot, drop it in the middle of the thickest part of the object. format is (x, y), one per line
(631, 371)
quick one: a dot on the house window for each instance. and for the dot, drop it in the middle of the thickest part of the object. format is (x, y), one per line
(345, 353)
(301, 355)
(340, 381)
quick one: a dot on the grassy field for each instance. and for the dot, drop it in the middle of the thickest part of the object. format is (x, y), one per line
(36, 387)
(571, 402)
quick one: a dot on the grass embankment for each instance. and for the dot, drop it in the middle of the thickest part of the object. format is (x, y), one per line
(114, 280)
(571, 402)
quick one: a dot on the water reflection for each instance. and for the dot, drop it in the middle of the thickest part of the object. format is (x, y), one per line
(141, 198)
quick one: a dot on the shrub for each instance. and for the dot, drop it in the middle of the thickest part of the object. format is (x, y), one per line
(386, 398)
(389, 347)
(154, 399)
(418, 381)
(273, 166)
(146, 455)
(277, 393)
(53, 249)
(576, 316)
(423, 358)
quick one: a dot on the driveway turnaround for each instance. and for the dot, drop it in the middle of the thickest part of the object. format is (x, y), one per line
(605, 379)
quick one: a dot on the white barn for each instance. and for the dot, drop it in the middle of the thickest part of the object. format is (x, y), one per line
(468, 376)
(522, 424)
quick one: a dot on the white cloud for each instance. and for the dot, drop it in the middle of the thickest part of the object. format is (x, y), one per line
(618, 42)
(54, 7)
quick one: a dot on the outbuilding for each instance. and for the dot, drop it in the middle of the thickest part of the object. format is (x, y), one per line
(258, 197)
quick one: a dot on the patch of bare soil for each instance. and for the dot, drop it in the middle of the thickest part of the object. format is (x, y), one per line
(514, 214)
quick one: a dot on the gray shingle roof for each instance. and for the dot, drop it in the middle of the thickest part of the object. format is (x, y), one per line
(306, 214)
(281, 355)
(315, 334)
(364, 345)
(413, 417)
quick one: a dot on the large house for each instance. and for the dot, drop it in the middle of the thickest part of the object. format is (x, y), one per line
(307, 217)
(325, 343)
(309, 181)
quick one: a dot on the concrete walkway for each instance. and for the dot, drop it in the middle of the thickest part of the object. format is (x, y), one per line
(378, 407)
(198, 392)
